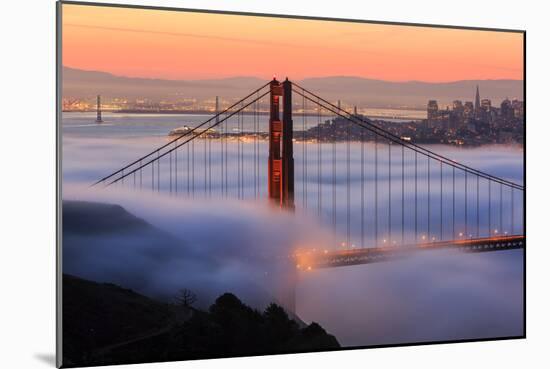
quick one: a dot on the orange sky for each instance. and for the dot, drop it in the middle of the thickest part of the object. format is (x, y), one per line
(180, 45)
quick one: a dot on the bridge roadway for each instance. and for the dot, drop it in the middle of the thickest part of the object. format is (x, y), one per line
(307, 260)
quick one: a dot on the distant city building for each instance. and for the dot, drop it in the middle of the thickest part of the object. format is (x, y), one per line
(468, 110)
(477, 106)
(457, 105)
(506, 110)
(518, 107)
(433, 110)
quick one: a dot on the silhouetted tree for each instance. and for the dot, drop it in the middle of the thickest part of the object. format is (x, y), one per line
(185, 297)
(278, 327)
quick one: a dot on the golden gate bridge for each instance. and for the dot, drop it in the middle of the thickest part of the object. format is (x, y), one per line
(440, 209)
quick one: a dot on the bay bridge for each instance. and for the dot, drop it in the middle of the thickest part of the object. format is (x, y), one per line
(385, 195)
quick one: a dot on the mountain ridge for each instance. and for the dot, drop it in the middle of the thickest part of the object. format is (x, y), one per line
(362, 91)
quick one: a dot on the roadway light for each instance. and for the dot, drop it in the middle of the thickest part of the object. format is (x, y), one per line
(496, 231)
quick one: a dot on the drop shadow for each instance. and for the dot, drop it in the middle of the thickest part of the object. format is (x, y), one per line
(46, 359)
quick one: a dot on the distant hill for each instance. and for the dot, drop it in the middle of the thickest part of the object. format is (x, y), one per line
(85, 84)
(414, 93)
(352, 90)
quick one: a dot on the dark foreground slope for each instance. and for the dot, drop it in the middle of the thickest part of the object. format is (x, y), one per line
(106, 324)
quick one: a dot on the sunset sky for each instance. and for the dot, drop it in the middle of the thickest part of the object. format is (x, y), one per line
(181, 45)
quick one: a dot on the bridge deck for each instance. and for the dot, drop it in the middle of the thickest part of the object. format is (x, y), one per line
(329, 259)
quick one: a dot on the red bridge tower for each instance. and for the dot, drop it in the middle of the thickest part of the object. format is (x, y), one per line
(281, 161)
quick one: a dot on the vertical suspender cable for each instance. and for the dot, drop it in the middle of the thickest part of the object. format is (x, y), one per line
(348, 190)
(389, 193)
(490, 200)
(241, 134)
(176, 166)
(454, 195)
(402, 194)
(226, 153)
(477, 205)
(209, 138)
(193, 168)
(415, 196)
(376, 189)
(512, 220)
(334, 173)
(429, 201)
(305, 159)
(188, 171)
(465, 203)
(205, 160)
(362, 188)
(440, 200)
(158, 172)
(255, 148)
(319, 159)
(500, 210)
(221, 137)
(239, 114)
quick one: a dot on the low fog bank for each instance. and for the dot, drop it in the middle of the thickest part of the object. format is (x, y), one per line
(436, 295)
(162, 243)
(218, 246)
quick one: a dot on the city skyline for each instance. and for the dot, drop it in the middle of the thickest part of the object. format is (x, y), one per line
(176, 47)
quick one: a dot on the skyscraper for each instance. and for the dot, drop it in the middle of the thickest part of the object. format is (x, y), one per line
(477, 103)
(433, 110)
